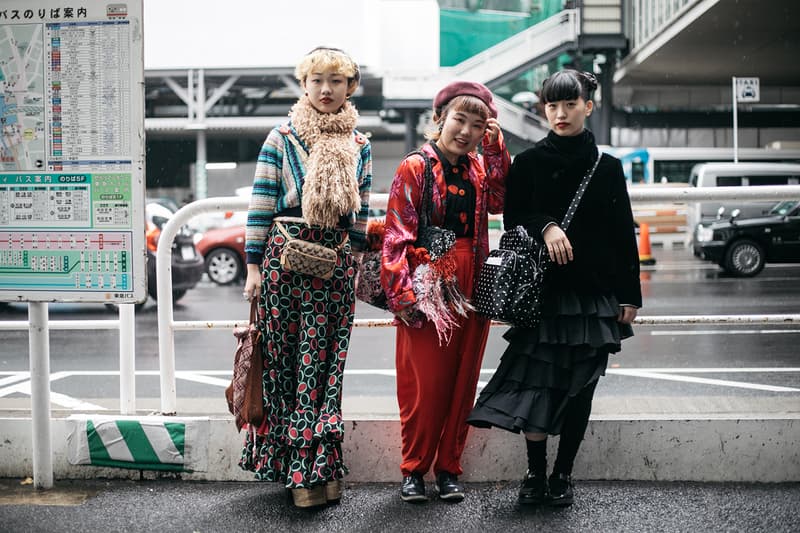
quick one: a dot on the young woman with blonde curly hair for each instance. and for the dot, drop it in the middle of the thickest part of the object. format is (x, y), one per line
(312, 182)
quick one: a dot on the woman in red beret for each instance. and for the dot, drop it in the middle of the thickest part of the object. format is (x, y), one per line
(440, 340)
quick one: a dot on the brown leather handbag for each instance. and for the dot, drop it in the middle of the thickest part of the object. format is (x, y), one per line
(245, 394)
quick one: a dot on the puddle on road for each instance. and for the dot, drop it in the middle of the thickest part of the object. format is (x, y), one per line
(22, 493)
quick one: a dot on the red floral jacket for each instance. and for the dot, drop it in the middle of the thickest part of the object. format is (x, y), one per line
(487, 174)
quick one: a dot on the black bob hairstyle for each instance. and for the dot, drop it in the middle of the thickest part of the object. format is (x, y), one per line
(568, 84)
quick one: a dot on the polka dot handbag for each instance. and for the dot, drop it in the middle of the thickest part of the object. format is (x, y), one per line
(512, 279)
(510, 284)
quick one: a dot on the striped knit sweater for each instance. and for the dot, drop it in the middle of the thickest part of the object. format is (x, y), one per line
(278, 184)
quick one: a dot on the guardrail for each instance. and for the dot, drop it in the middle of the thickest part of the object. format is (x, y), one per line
(167, 325)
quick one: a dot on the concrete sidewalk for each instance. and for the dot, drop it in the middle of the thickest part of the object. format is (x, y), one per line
(170, 505)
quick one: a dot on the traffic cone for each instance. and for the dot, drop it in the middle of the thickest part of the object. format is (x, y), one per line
(645, 255)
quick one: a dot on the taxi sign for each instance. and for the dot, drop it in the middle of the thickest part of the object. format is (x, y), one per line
(747, 89)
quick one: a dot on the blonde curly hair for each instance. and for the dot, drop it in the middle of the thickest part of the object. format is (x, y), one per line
(327, 59)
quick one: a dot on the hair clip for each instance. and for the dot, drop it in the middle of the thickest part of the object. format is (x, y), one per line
(590, 78)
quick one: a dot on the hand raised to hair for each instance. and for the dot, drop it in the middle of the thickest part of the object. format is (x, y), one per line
(492, 131)
(558, 245)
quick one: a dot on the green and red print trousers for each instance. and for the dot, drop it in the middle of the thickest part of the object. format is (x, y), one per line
(306, 324)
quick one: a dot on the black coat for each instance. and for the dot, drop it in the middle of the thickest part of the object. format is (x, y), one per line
(539, 189)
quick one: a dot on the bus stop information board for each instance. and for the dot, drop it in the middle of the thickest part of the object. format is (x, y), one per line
(71, 151)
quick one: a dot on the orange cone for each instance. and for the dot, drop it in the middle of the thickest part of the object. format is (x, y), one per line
(645, 255)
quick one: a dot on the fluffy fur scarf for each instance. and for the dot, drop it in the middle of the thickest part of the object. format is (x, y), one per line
(330, 187)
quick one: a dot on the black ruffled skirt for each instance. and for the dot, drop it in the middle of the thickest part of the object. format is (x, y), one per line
(545, 366)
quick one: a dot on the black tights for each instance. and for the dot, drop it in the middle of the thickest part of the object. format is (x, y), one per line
(576, 418)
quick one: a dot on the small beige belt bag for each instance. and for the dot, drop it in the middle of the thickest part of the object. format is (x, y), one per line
(308, 258)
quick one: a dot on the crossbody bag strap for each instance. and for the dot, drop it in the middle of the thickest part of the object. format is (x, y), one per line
(426, 205)
(579, 193)
(285, 233)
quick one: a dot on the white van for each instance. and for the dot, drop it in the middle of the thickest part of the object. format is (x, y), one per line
(737, 175)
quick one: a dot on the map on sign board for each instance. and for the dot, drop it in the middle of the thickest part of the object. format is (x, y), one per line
(22, 93)
(71, 151)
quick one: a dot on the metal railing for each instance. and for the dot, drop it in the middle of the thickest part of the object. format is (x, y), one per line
(167, 325)
(645, 19)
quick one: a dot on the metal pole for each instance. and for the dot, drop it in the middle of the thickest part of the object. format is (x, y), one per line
(410, 118)
(735, 122)
(201, 179)
(603, 133)
(127, 367)
(39, 344)
(200, 172)
(166, 335)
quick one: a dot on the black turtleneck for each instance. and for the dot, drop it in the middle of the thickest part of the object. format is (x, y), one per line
(539, 189)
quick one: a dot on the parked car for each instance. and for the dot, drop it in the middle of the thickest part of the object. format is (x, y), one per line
(737, 175)
(223, 250)
(187, 263)
(741, 246)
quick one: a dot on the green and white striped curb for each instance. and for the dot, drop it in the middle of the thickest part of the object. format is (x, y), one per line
(142, 443)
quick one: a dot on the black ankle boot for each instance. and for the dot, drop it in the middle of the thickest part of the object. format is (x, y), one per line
(561, 493)
(533, 489)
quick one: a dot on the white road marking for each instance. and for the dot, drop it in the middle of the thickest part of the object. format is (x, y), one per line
(704, 381)
(709, 370)
(55, 398)
(14, 378)
(371, 372)
(668, 333)
(200, 378)
(19, 381)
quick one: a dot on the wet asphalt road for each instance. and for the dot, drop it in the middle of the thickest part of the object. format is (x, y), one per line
(677, 285)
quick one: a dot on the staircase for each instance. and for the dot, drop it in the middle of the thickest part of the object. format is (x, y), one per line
(500, 63)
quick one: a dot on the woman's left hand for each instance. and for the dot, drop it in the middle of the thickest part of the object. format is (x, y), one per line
(492, 131)
(627, 314)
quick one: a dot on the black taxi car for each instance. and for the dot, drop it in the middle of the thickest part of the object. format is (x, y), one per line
(741, 246)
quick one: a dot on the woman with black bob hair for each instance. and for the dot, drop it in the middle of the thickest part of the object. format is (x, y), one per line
(547, 376)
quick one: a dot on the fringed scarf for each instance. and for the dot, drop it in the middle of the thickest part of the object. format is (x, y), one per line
(330, 187)
(436, 289)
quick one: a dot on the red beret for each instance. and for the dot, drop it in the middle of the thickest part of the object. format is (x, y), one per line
(464, 88)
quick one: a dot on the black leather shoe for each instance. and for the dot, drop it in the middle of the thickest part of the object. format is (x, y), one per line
(533, 489)
(561, 493)
(448, 487)
(413, 489)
